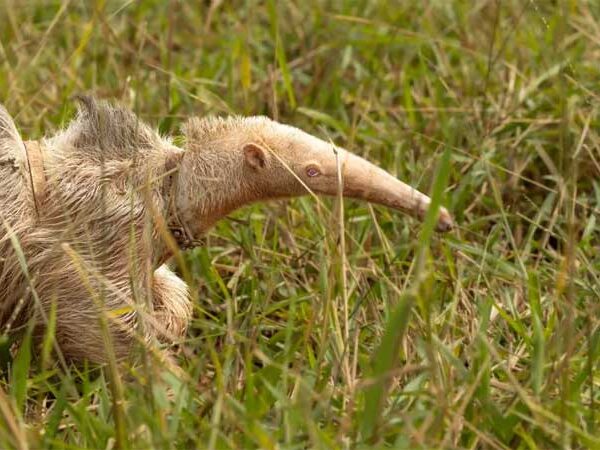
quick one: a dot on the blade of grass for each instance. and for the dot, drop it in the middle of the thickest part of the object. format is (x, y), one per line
(385, 358)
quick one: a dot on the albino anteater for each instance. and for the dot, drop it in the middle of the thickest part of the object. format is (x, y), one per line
(88, 209)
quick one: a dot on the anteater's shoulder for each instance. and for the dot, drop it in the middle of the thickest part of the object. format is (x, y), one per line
(108, 132)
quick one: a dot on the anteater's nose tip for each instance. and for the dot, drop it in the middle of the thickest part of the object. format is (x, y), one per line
(445, 222)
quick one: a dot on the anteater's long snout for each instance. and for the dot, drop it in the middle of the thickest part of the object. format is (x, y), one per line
(365, 181)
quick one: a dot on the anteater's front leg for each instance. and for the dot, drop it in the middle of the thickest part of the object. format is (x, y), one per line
(79, 316)
(172, 305)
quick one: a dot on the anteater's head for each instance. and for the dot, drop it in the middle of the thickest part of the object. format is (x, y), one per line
(234, 161)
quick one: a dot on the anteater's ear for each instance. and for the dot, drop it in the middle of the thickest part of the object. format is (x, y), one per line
(256, 156)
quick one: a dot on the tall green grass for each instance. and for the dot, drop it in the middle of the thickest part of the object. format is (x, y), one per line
(322, 326)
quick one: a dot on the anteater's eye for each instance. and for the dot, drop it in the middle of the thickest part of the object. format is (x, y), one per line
(312, 171)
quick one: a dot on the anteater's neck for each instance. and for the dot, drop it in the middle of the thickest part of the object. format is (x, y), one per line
(210, 185)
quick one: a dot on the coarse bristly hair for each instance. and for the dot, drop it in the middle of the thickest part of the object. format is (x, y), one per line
(91, 246)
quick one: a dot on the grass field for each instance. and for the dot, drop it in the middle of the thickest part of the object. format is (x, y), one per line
(487, 337)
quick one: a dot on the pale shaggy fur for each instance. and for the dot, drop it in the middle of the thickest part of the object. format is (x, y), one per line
(93, 245)
(96, 249)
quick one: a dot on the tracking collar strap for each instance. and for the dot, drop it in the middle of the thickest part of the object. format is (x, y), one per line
(180, 232)
(35, 160)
